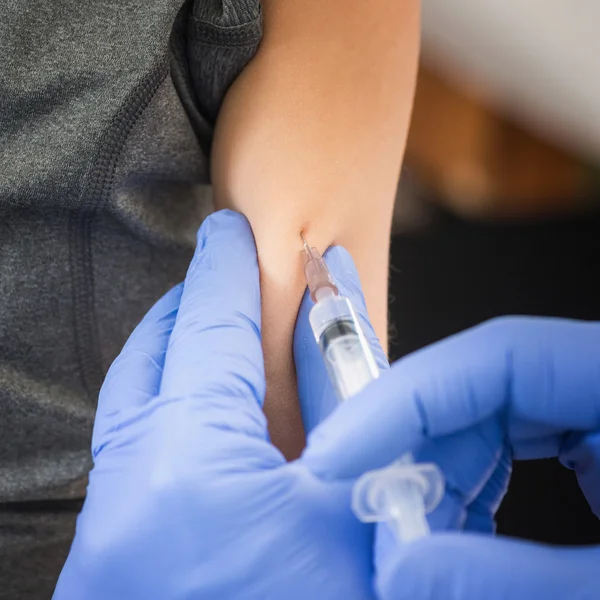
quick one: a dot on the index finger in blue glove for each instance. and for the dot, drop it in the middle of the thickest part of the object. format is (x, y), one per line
(540, 372)
(345, 275)
(316, 394)
(215, 347)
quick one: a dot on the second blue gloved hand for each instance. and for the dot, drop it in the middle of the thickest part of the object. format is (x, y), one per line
(188, 499)
(513, 388)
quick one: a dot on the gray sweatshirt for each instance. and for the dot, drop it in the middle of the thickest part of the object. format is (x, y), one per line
(106, 114)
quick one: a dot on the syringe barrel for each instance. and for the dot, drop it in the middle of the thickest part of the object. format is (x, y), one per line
(347, 354)
(402, 493)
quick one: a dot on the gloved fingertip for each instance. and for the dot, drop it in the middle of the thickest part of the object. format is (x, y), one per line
(317, 464)
(221, 220)
(325, 454)
(340, 260)
(227, 229)
(344, 272)
(225, 242)
(346, 276)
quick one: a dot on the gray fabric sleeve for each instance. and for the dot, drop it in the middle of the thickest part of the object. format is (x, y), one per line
(106, 117)
(212, 42)
(223, 35)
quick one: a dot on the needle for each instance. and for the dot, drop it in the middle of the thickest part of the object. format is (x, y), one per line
(306, 246)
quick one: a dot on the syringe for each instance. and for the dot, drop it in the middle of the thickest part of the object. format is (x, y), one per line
(403, 492)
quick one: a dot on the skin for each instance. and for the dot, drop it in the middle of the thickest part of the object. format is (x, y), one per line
(311, 138)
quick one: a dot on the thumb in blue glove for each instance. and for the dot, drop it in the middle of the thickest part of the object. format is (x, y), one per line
(188, 498)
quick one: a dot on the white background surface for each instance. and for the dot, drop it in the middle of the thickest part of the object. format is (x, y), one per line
(536, 60)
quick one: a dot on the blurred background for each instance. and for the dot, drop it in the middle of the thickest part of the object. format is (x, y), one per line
(498, 208)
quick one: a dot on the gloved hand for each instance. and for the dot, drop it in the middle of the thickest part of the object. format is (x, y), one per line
(315, 391)
(513, 388)
(187, 497)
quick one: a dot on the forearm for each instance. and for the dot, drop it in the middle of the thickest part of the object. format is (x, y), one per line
(311, 137)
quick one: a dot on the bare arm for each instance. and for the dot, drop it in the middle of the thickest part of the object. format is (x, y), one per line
(311, 137)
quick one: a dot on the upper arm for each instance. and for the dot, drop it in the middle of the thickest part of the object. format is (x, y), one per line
(311, 137)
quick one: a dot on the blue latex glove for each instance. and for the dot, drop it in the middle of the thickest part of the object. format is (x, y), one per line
(315, 391)
(513, 388)
(188, 498)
